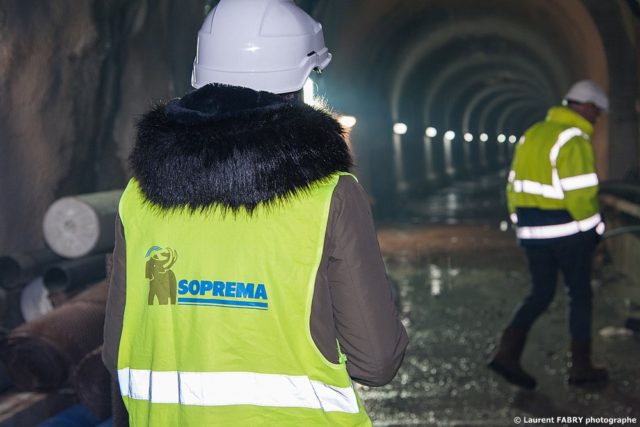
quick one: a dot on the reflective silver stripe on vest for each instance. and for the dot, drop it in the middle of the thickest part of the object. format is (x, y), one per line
(559, 230)
(558, 186)
(533, 187)
(235, 388)
(564, 137)
(579, 181)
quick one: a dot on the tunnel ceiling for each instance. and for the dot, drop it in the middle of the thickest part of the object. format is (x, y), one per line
(489, 66)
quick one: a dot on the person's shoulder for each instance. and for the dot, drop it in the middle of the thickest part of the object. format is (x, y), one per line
(349, 197)
(349, 188)
(545, 132)
(348, 181)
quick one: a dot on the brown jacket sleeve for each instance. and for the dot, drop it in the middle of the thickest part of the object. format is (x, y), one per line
(366, 320)
(115, 303)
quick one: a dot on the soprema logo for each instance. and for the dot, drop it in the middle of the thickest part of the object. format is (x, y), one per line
(164, 287)
(162, 282)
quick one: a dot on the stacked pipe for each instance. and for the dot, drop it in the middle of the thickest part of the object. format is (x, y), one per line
(21, 268)
(65, 279)
(60, 343)
(77, 226)
(15, 271)
(78, 231)
(92, 384)
(41, 354)
(21, 284)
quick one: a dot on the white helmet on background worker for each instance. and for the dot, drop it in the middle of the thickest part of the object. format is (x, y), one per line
(586, 91)
(268, 45)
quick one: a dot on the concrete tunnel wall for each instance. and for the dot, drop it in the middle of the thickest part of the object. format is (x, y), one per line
(491, 66)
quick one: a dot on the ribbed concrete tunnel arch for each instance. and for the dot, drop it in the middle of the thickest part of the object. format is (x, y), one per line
(479, 67)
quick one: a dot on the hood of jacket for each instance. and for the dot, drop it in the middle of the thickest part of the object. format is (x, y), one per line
(569, 118)
(234, 147)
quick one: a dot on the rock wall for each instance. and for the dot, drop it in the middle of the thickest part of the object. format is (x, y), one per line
(74, 75)
(617, 26)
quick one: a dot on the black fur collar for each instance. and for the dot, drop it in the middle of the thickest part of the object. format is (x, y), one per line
(232, 147)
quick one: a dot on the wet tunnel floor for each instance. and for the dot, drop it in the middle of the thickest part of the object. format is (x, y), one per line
(460, 274)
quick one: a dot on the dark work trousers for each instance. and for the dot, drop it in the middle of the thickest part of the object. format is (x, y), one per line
(573, 257)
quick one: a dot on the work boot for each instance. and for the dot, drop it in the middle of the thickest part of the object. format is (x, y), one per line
(506, 360)
(581, 371)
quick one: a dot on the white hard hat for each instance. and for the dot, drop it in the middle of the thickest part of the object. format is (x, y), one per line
(588, 91)
(267, 45)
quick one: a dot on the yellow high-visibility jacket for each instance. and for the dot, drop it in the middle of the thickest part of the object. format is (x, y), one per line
(552, 188)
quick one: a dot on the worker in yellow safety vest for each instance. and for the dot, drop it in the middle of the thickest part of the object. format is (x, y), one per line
(552, 195)
(248, 287)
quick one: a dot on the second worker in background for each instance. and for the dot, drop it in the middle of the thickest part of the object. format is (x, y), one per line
(553, 199)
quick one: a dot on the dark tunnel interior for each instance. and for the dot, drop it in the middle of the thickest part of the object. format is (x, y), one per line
(433, 97)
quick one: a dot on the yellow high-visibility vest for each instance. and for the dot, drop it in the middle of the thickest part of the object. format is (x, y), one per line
(216, 323)
(553, 170)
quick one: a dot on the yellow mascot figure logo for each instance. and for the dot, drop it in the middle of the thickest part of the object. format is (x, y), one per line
(162, 282)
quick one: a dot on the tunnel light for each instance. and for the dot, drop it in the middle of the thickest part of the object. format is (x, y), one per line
(450, 135)
(309, 92)
(400, 128)
(468, 137)
(431, 132)
(347, 122)
(484, 137)
(513, 139)
(502, 138)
